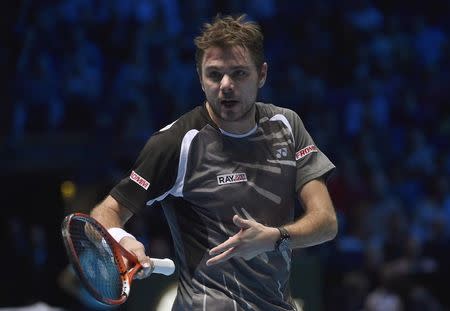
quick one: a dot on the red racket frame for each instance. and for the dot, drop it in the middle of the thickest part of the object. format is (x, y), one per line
(118, 251)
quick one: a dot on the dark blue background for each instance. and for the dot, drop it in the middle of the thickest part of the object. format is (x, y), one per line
(85, 82)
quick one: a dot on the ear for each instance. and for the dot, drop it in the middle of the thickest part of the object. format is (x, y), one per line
(200, 78)
(262, 75)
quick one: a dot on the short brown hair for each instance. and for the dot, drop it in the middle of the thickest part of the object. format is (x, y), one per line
(231, 31)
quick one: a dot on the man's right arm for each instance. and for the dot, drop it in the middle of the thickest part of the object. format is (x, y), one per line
(111, 214)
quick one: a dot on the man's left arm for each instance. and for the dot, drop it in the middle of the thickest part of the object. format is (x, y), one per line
(318, 225)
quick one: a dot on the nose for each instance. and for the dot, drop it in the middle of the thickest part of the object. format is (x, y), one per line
(226, 85)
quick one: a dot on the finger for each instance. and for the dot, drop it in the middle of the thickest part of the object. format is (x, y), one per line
(230, 253)
(137, 249)
(241, 222)
(145, 262)
(142, 258)
(140, 275)
(144, 271)
(231, 242)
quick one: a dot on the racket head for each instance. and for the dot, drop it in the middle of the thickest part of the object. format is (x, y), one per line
(97, 259)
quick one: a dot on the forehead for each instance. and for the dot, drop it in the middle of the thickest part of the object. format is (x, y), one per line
(227, 57)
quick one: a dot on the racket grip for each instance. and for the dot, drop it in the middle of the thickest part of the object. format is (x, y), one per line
(163, 266)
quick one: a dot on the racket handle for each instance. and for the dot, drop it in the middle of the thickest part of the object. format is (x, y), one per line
(163, 266)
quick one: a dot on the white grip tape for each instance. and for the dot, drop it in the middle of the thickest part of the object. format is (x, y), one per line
(163, 266)
(118, 234)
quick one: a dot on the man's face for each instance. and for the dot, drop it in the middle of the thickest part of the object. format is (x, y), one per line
(230, 81)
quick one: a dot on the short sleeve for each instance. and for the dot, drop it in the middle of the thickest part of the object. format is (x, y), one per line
(152, 175)
(311, 162)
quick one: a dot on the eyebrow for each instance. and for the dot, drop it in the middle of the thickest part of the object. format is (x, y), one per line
(232, 68)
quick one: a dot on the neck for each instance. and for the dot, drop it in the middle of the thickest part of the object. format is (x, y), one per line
(241, 126)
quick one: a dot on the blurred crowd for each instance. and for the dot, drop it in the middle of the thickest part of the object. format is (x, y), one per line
(370, 79)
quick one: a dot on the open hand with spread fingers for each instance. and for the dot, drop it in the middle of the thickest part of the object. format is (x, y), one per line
(252, 239)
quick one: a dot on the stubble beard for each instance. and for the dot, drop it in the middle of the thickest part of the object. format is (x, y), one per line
(232, 116)
(217, 111)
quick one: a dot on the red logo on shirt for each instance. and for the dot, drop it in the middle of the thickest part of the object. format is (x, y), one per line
(305, 151)
(139, 180)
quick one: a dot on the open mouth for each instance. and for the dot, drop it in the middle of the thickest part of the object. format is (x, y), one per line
(228, 103)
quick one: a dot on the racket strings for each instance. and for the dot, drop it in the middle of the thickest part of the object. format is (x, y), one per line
(96, 260)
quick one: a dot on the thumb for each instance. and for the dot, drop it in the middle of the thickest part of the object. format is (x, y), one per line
(138, 249)
(143, 259)
(241, 222)
(147, 268)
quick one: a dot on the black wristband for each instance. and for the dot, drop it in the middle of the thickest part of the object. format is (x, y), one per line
(284, 234)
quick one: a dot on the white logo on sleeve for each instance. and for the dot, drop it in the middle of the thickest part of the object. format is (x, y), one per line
(139, 180)
(305, 151)
(282, 152)
(231, 178)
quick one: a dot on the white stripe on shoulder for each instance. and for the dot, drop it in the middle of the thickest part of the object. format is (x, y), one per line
(177, 189)
(282, 118)
(168, 126)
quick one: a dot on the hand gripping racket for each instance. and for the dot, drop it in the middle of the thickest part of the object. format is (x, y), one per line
(98, 259)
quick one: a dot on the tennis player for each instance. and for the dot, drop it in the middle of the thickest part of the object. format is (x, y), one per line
(227, 175)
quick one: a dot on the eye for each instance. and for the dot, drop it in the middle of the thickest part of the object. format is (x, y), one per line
(240, 73)
(214, 75)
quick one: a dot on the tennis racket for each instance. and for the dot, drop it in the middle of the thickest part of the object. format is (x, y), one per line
(98, 259)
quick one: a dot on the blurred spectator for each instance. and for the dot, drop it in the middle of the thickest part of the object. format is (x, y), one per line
(368, 78)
